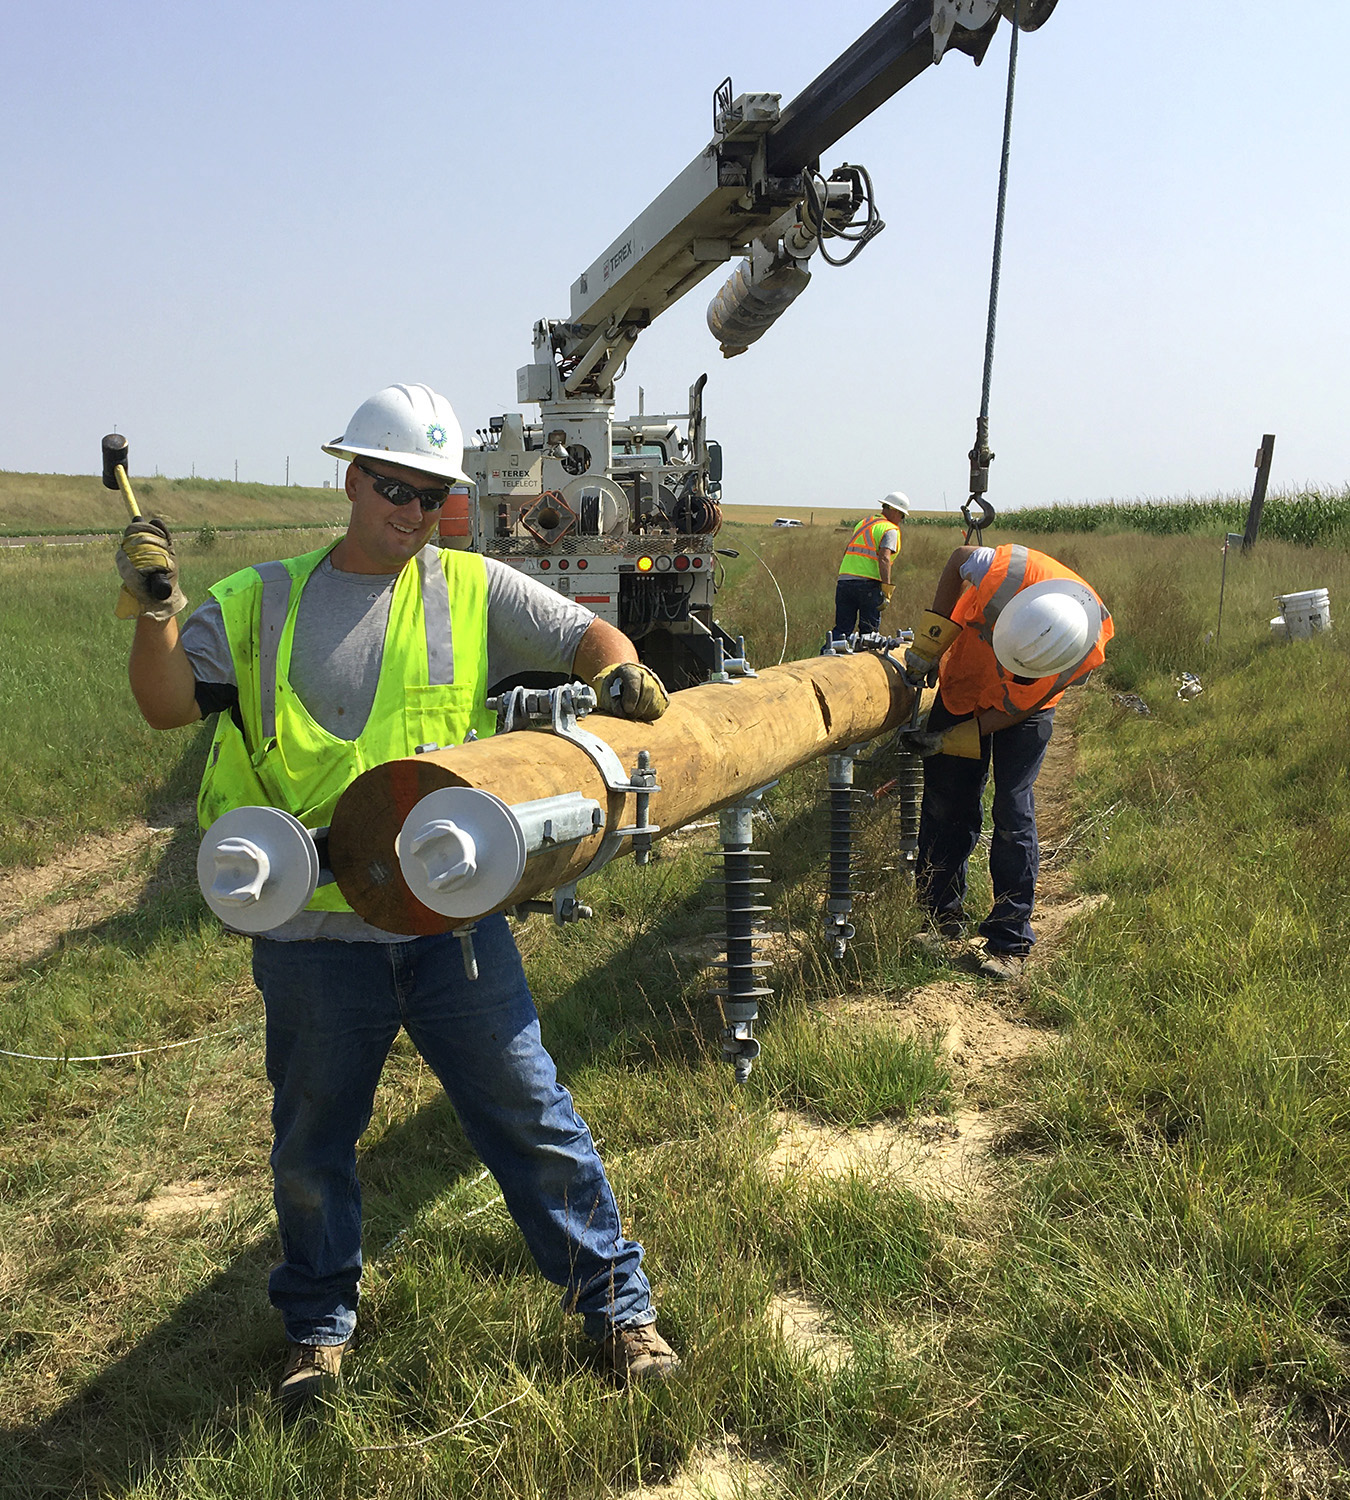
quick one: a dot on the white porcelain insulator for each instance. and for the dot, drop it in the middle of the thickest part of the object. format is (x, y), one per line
(241, 872)
(446, 852)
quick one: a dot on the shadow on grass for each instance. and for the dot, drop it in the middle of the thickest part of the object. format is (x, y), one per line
(202, 1375)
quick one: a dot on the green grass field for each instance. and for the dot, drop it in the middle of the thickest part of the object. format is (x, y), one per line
(1147, 1298)
(74, 504)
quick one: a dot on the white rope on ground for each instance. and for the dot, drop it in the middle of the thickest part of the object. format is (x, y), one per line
(781, 601)
(139, 1052)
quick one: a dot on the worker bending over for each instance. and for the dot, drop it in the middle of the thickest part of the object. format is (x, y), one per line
(864, 585)
(1009, 630)
(319, 666)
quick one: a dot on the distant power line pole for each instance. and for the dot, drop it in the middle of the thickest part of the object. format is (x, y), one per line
(288, 471)
(236, 471)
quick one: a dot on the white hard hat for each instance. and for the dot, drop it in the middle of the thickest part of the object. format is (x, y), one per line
(896, 501)
(1048, 627)
(406, 424)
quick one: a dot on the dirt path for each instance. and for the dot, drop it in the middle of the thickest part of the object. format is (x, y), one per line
(985, 1030)
(91, 881)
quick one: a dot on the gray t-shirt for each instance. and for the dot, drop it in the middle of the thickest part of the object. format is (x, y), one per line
(335, 666)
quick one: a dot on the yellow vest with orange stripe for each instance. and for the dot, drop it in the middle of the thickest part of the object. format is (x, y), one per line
(860, 556)
(970, 676)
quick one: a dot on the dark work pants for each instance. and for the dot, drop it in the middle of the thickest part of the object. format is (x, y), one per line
(857, 606)
(949, 827)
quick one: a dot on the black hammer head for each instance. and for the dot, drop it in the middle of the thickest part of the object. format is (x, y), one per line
(114, 453)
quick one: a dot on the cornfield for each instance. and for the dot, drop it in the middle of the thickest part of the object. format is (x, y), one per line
(1309, 517)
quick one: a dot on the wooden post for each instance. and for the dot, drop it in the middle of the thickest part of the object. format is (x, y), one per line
(714, 744)
(1264, 454)
(1229, 538)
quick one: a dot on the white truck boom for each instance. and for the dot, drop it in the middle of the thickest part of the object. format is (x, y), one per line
(621, 515)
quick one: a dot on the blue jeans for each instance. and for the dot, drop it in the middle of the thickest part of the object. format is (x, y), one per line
(857, 606)
(333, 1011)
(949, 827)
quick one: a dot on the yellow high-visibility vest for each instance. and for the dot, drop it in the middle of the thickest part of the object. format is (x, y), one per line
(431, 690)
(860, 556)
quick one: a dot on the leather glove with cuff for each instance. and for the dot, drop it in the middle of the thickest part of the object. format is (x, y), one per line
(887, 592)
(628, 690)
(146, 551)
(961, 740)
(932, 636)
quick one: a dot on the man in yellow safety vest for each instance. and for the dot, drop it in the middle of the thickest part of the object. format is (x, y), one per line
(864, 585)
(317, 667)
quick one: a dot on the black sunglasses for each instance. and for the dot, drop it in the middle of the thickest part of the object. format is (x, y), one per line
(400, 492)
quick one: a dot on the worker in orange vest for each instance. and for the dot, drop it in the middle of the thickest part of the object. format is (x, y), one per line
(864, 585)
(1010, 628)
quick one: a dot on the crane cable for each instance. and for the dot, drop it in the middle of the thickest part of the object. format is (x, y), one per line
(980, 456)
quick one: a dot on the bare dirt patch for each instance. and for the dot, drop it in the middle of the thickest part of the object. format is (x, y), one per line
(983, 1030)
(89, 859)
(934, 1155)
(195, 1199)
(1053, 917)
(805, 1326)
(770, 943)
(978, 1027)
(724, 1472)
(32, 922)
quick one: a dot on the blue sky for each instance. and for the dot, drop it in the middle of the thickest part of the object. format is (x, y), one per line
(225, 226)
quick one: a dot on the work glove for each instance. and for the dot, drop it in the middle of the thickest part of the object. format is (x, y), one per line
(629, 690)
(933, 634)
(887, 592)
(146, 553)
(962, 740)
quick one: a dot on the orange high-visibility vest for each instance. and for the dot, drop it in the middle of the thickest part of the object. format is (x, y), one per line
(860, 556)
(970, 676)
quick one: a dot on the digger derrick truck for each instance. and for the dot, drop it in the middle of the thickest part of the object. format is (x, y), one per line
(621, 514)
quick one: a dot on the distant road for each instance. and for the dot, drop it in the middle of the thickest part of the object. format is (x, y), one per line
(112, 536)
(56, 541)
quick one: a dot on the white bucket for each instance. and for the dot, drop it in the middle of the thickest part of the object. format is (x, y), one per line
(1306, 614)
(1279, 628)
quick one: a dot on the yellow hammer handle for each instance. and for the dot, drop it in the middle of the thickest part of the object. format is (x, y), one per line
(124, 484)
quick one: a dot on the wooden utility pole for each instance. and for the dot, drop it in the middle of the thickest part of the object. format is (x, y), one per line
(1264, 454)
(714, 744)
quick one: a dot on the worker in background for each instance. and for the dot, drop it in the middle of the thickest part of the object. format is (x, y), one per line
(864, 585)
(384, 642)
(1010, 628)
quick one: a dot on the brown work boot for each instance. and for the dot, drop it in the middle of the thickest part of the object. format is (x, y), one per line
(939, 938)
(311, 1371)
(1001, 966)
(638, 1354)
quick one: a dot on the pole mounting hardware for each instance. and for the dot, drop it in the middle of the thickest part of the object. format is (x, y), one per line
(560, 708)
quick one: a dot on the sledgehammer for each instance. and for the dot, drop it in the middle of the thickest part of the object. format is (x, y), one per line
(115, 478)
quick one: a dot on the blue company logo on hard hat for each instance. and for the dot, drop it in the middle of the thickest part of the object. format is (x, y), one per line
(436, 435)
